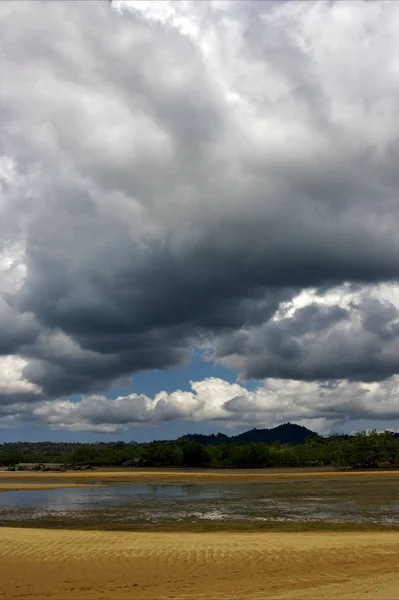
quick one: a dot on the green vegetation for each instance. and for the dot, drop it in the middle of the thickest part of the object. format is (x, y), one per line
(367, 450)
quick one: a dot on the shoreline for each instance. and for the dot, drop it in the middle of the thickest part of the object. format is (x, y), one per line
(203, 527)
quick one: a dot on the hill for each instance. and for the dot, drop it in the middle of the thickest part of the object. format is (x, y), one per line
(287, 433)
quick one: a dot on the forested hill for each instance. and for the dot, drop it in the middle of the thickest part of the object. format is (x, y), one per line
(288, 433)
(288, 445)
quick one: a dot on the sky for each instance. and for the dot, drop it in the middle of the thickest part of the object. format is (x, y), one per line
(199, 216)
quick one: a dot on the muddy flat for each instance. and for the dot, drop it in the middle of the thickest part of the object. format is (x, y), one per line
(69, 565)
(199, 501)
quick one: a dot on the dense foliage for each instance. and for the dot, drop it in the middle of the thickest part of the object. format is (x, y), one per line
(364, 450)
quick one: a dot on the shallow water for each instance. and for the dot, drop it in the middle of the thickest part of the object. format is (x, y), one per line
(305, 501)
(92, 498)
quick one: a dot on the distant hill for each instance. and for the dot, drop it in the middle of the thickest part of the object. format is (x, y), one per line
(288, 433)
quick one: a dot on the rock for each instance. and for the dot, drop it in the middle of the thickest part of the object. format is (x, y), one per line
(81, 467)
(39, 467)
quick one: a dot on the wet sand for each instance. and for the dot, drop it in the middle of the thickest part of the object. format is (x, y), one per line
(18, 486)
(37, 480)
(85, 565)
(182, 476)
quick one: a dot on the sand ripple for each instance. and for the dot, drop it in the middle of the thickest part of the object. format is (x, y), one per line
(66, 565)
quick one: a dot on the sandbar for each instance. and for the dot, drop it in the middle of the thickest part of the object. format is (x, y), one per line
(186, 476)
(18, 486)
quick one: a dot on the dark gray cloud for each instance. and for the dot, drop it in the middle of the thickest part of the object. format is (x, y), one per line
(170, 190)
(16, 329)
(319, 342)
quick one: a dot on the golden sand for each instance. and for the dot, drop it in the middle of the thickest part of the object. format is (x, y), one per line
(83, 565)
(179, 476)
(10, 487)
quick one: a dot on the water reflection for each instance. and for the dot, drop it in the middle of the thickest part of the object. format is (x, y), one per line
(95, 497)
(263, 501)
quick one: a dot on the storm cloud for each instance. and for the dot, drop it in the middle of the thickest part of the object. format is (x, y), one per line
(207, 175)
(355, 337)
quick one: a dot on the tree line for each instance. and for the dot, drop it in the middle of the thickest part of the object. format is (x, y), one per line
(366, 450)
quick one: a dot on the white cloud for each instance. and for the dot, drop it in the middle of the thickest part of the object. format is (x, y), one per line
(12, 381)
(214, 400)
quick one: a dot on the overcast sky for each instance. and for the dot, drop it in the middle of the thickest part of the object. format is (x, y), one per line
(199, 216)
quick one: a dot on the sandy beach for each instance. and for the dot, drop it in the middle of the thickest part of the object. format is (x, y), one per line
(69, 565)
(61, 564)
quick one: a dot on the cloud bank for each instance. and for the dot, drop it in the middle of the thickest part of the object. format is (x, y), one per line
(226, 404)
(212, 175)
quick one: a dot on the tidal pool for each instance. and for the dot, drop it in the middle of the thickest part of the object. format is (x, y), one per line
(290, 501)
